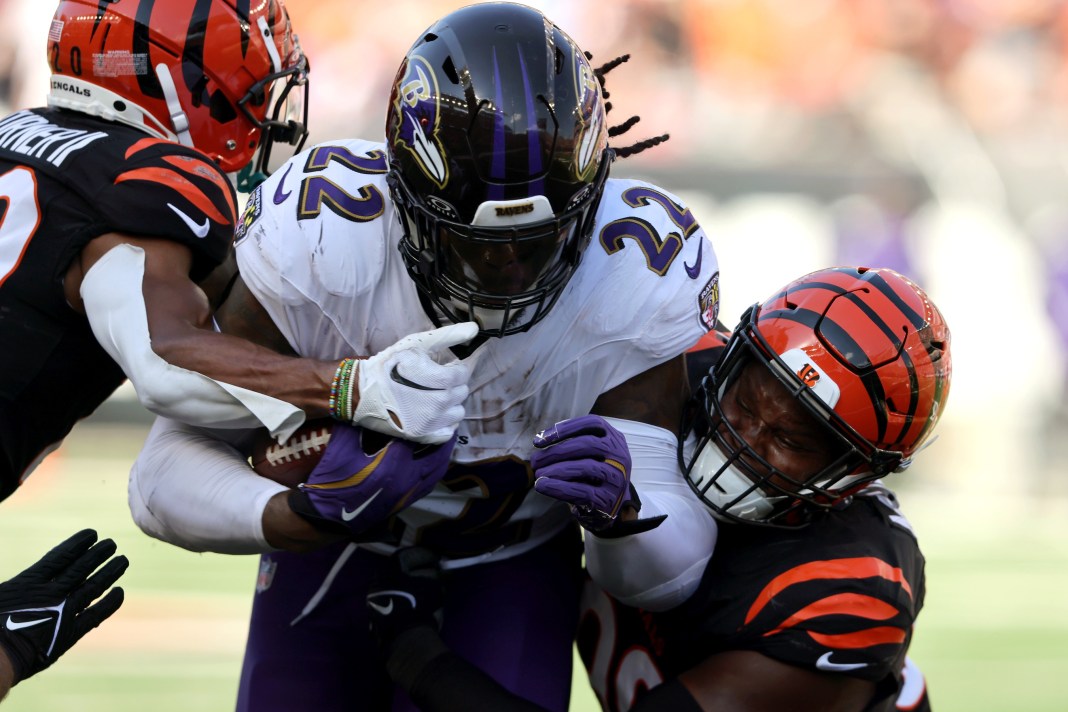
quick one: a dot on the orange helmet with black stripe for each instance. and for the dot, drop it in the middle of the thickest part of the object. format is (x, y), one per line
(225, 77)
(865, 352)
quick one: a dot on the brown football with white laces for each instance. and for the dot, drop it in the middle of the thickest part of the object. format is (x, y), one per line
(290, 462)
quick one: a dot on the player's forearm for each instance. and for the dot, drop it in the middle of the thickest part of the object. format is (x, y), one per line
(189, 382)
(302, 382)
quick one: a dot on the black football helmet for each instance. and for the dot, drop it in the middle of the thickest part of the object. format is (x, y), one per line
(498, 154)
(866, 355)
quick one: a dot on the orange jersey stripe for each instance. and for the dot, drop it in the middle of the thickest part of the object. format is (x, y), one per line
(861, 567)
(177, 182)
(861, 639)
(842, 604)
(143, 144)
(201, 169)
(190, 165)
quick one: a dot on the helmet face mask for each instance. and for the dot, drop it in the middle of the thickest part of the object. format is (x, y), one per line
(208, 75)
(505, 277)
(498, 154)
(809, 403)
(285, 120)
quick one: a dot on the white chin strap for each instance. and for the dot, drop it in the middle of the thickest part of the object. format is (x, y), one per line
(179, 120)
(729, 486)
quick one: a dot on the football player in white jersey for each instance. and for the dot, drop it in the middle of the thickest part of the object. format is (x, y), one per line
(488, 209)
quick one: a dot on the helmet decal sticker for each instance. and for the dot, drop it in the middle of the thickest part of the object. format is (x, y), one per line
(119, 63)
(418, 105)
(590, 120)
(809, 373)
(708, 303)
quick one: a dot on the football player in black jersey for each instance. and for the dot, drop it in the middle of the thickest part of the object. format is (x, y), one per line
(117, 216)
(116, 220)
(810, 597)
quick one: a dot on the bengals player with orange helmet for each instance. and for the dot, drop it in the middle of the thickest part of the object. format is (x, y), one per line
(809, 598)
(117, 219)
(115, 210)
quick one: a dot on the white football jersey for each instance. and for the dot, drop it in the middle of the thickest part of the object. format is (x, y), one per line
(318, 246)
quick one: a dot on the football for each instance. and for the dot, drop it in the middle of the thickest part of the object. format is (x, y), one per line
(289, 463)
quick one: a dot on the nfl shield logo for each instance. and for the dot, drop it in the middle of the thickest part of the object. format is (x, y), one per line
(266, 576)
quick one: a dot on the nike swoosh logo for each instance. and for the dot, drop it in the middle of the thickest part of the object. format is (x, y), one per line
(824, 663)
(396, 376)
(383, 610)
(199, 229)
(12, 625)
(387, 609)
(279, 196)
(349, 516)
(695, 271)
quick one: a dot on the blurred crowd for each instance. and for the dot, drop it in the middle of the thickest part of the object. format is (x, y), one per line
(926, 135)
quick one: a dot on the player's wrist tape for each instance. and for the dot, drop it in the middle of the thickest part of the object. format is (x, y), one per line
(620, 527)
(302, 506)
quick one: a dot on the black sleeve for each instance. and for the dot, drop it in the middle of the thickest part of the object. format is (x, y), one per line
(439, 680)
(671, 695)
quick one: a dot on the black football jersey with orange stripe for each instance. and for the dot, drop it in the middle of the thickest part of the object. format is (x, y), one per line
(66, 178)
(839, 595)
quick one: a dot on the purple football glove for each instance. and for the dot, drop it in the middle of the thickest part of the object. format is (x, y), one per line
(351, 490)
(586, 463)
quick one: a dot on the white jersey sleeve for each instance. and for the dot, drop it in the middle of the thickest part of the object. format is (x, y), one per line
(191, 487)
(660, 568)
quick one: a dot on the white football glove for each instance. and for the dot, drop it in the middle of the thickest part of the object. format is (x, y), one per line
(406, 393)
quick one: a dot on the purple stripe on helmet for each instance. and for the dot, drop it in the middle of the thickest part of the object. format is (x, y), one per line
(534, 166)
(496, 190)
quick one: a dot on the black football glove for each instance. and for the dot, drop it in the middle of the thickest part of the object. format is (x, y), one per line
(406, 595)
(46, 609)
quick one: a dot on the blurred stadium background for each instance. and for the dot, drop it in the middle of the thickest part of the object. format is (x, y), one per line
(926, 135)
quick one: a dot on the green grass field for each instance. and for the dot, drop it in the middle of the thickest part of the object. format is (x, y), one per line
(993, 636)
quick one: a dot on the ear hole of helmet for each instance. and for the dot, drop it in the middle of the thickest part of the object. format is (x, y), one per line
(220, 108)
(450, 71)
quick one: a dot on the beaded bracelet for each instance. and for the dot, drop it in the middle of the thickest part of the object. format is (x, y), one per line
(341, 391)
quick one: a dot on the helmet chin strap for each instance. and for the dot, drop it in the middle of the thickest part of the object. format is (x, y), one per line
(179, 120)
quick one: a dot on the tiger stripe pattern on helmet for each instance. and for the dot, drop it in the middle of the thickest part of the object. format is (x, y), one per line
(880, 338)
(200, 72)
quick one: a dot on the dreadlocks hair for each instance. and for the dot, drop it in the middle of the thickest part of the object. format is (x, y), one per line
(622, 128)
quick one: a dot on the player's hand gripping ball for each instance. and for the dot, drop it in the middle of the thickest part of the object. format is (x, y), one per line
(361, 478)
